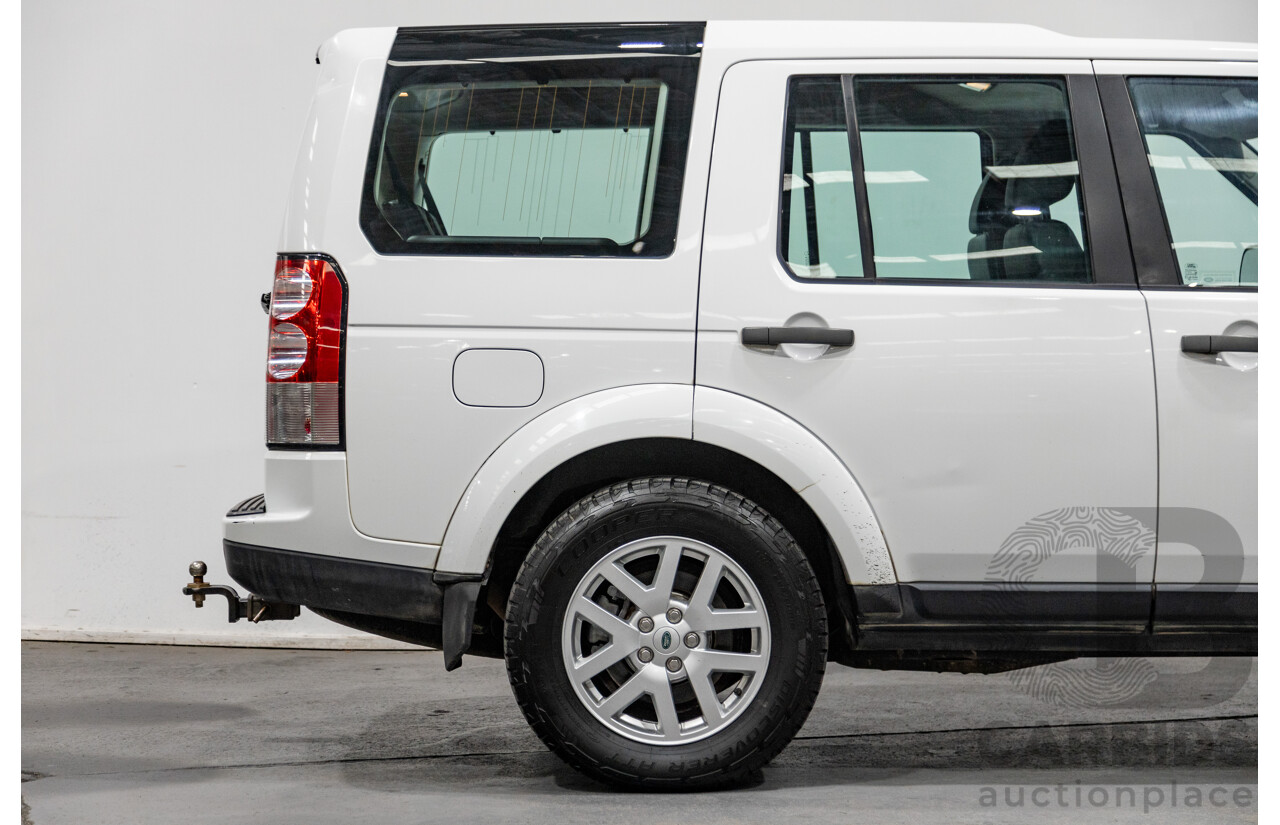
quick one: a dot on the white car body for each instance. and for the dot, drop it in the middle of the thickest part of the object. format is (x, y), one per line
(411, 490)
(1066, 443)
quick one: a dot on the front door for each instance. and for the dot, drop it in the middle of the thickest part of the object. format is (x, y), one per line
(1186, 142)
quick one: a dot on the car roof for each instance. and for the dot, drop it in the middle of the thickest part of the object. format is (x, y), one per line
(816, 39)
(734, 40)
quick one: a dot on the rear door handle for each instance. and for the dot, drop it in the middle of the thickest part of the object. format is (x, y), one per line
(772, 336)
(1213, 344)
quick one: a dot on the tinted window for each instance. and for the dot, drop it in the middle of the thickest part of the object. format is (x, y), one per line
(1202, 142)
(972, 178)
(965, 179)
(920, 186)
(501, 153)
(522, 160)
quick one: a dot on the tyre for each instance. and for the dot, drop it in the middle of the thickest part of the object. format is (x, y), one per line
(665, 633)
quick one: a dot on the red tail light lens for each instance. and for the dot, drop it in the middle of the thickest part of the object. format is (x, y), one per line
(304, 353)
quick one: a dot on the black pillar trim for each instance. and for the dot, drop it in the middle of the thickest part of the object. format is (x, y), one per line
(1149, 235)
(865, 241)
(1105, 226)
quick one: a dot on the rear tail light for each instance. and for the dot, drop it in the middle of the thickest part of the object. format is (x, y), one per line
(287, 351)
(304, 353)
(291, 291)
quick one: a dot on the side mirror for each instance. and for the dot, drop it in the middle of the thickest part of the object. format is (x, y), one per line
(1249, 266)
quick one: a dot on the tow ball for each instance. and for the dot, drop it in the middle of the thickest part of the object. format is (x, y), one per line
(251, 607)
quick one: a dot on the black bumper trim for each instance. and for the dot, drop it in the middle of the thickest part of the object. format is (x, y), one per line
(367, 588)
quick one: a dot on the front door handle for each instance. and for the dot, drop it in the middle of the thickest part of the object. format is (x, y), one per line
(772, 336)
(1213, 344)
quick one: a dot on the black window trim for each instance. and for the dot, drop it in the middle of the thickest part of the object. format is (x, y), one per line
(1110, 258)
(1151, 239)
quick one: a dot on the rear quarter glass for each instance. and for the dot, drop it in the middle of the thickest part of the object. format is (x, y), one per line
(554, 146)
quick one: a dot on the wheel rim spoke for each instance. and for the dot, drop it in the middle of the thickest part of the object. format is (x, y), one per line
(601, 618)
(708, 702)
(706, 589)
(624, 696)
(654, 598)
(724, 661)
(629, 586)
(664, 580)
(665, 705)
(602, 659)
(747, 618)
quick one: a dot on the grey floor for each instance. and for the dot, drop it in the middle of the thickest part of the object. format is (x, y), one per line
(148, 734)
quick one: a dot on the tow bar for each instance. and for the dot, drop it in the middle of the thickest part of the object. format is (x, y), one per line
(252, 608)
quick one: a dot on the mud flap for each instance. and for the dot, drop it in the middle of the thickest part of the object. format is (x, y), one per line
(459, 616)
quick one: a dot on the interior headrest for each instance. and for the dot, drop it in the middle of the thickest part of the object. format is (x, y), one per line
(988, 210)
(1029, 186)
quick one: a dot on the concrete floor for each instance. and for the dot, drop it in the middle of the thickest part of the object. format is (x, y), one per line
(147, 734)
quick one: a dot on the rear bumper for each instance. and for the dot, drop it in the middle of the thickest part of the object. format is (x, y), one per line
(392, 600)
(305, 509)
(367, 588)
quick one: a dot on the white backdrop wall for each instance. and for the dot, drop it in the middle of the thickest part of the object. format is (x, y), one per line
(158, 138)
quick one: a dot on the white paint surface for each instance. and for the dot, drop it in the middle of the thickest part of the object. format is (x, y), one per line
(158, 144)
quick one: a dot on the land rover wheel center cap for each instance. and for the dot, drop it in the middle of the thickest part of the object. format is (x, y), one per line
(666, 640)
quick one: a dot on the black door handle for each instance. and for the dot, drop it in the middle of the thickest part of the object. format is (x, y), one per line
(1213, 344)
(772, 336)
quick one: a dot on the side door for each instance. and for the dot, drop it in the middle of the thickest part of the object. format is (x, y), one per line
(996, 403)
(1186, 142)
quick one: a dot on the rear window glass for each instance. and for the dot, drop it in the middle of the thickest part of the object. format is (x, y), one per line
(523, 160)
(554, 157)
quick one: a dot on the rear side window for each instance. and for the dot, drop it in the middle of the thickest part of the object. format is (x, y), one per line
(1202, 142)
(532, 154)
(965, 179)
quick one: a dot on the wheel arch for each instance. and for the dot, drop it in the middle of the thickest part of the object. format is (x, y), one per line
(599, 439)
(681, 458)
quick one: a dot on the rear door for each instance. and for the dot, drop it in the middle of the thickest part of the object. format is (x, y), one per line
(1186, 143)
(997, 400)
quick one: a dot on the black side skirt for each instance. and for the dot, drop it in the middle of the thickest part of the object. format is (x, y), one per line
(987, 618)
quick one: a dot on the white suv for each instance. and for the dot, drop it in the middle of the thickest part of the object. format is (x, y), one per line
(672, 361)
